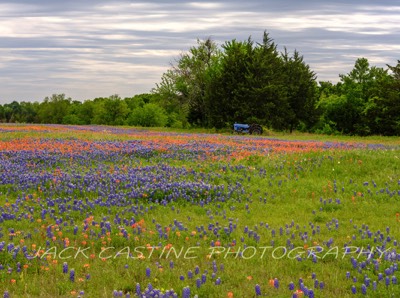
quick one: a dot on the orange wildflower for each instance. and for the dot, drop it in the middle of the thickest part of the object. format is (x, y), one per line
(299, 293)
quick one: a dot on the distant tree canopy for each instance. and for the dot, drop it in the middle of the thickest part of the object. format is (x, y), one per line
(241, 81)
(112, 110)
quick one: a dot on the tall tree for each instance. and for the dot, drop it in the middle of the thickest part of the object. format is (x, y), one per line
(185, 88)
(195, 70)
(250, 87)
(229, 101)
(301, 90)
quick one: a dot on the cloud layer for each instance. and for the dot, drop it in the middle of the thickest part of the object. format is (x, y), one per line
(93, 48)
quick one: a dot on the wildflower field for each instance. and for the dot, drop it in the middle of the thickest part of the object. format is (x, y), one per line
(93, 211)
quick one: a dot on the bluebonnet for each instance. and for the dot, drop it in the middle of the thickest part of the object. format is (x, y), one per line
(72, 275)
(258, 290)
(65, 268)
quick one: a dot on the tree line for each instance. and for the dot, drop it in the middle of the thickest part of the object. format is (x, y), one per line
(139, 110)
(240, 81)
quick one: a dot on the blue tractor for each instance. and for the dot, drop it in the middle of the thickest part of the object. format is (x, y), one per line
(253, 129)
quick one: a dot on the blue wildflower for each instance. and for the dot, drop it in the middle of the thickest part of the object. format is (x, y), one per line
(258, 290)
(72, 275)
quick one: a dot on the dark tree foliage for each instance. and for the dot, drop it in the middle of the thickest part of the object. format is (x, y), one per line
(301, 91)
(230, 99)
(383, 109)
(244, 82)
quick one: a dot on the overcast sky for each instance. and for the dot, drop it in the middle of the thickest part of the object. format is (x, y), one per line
(93, 48)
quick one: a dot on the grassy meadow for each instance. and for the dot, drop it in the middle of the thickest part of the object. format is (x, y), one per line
(96, 211)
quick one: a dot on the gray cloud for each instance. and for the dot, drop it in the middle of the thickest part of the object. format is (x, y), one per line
(96, 48)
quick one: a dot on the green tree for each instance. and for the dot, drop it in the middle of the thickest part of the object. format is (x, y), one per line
(12, 111)
(115, 110)
(73, 116)
(184, 89)
(29, 112)
(150, 115)
(53, 109)
(241, 82)
(229, 101)
(383, 107)
(344, 109)
(85, 112)
(139, 100)
(338, 113)
(250, 86)
(98, 111)
(301, 91)
(110, 111)
(198, 69)
(364, 102)
(268, 103)
(2, 114)
(168, 94)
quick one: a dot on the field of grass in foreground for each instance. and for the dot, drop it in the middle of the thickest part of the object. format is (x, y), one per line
(118, 212)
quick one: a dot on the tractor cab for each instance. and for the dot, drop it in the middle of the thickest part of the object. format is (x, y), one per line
(247, 128)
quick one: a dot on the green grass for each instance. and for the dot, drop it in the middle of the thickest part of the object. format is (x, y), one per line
(295, 192)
